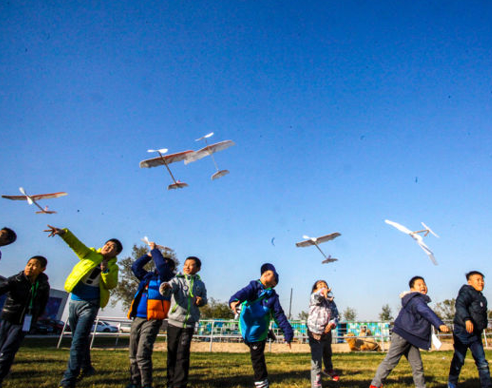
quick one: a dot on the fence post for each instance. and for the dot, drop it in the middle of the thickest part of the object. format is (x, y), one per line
(94, 332)
(61, 334)
(212, 335)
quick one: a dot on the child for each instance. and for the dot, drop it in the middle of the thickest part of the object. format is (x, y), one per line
(89, 282)
(259, 303)
(7, 236)
(323, 317)
(27, 295)
(412, 331)
(188, 294)
(148, 310)
(469, 322)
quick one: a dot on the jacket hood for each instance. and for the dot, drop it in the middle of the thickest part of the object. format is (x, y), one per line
(408, 296)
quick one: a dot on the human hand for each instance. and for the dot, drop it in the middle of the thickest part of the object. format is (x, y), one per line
(198, 300)
(444, 328)
(325, 292)
(53, 231)
(163, 287)
(328, 327)
(234, 306)
(469, 326)
(152, 245)
(104, 265)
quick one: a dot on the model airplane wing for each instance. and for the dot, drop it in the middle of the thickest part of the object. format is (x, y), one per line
(428, 251)
(314, 241)
(401, 228)
(209, 150)
(165, 159)
(35, 197)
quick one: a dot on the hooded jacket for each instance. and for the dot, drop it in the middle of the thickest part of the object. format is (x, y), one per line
(322, 311)
(90, 258)
(415, 319)
(471, 305)
(157, 306)
(184, 288)
(259, 305)
(19, 290)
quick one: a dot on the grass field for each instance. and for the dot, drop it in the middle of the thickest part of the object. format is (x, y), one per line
(37, 367)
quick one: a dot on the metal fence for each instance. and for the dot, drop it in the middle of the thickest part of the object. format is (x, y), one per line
(227, 330)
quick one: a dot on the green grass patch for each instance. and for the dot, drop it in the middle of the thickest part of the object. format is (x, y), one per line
(38, 366)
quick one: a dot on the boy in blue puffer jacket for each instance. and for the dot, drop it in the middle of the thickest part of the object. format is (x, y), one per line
(412, 331)
(148, 309)
(259, 303)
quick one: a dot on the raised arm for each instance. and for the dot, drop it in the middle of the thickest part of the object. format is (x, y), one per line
(282, 321)
(138, 266)
(163, 269)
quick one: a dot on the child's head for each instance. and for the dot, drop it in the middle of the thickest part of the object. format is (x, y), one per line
(417, 284)
(269, 276)
(7, 236)
(475, 279)
(192, 265)
(170, 263)
(35, 266)
(319, 285)
(111, 248)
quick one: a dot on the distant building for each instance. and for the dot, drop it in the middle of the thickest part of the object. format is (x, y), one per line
(56, 303)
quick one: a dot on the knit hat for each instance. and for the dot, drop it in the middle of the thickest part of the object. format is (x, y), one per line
(269, 267)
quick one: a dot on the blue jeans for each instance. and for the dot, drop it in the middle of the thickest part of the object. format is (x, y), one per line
(11, 337)
(463, 341)
(81, 316)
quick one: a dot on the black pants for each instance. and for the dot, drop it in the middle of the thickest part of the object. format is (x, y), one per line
(257, 351)
(178, 355)
(11, 337)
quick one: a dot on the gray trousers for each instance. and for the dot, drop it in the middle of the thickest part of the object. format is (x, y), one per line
(320, 353)
(142, 337)
(398, 348)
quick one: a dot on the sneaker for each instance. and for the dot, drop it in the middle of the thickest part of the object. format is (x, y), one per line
(332, 374)
(452, 385)
(373, 386)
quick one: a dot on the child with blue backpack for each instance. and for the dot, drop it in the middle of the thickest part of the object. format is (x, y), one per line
(259, 303)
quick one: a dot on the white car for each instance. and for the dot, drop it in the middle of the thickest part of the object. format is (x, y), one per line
(105, 327)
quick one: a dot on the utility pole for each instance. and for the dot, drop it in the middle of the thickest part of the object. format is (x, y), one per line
(290, 303)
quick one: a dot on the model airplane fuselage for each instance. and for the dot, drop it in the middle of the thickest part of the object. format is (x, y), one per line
(31, 199)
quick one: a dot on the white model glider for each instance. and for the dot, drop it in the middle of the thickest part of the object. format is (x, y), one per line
(417, 237)
(317, 240)
(210, 150)
(166, 160)
(31, 199)
(146, 241)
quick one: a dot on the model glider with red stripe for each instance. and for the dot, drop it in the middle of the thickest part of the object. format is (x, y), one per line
(31, 199)
(166, 160)
(317, 240)
(210, 150)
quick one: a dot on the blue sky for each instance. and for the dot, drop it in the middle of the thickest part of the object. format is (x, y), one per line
(344, 113)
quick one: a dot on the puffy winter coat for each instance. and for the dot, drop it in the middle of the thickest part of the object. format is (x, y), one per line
(471, 305)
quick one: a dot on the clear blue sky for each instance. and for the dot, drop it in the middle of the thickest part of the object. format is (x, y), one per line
(344, 113)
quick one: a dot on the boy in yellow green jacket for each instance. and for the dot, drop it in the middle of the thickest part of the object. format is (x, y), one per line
(89, 283)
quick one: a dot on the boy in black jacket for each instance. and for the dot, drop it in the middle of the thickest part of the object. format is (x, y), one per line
(469, 322)
(27, 295)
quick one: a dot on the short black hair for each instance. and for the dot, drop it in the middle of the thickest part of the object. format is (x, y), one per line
(414, 279)
(11, 236)
(170, 262)
(198, 262)
(316, 284)
(119, 246)
(42, 260)
(471, 273)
